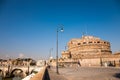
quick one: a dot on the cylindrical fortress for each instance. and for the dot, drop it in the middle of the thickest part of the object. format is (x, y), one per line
(88, 45)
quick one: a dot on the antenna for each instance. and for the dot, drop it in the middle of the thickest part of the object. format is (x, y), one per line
(86, 30)
(65, 47)
(83, 34)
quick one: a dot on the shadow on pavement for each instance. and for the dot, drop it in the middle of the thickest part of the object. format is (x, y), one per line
(46, 76)
(117, 75)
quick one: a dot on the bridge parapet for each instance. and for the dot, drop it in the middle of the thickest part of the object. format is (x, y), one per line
(4, 71)
(40, 75)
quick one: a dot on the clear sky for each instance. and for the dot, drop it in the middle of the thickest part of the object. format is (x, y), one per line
(28, 27)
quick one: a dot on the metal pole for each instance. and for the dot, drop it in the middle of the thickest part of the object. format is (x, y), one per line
(61, 29)
(119, 63)
(101, 61)
(28, 69)
(28, 66)
(8, 69)
(57, 53)
(101, 56)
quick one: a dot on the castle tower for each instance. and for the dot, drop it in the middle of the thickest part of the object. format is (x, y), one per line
(88, 46)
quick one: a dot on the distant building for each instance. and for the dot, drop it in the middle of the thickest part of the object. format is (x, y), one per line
(18, 62)
(40, 63)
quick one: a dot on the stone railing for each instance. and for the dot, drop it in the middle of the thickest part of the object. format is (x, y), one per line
(40, 75)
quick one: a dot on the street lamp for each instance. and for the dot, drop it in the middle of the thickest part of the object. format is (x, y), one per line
(59, 28)
(101, 57)
(28, 64)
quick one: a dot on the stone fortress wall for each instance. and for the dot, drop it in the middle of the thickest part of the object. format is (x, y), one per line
(88, 45)
(90, 51)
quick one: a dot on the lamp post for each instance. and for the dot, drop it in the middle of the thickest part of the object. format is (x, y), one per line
(28, 66)
(59, 28)
(101, 57)
(8, 67)
(8, 64)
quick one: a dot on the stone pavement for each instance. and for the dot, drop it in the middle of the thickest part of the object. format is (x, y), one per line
(54, 76)
(89, 73)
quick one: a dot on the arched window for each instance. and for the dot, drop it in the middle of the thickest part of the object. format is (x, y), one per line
(98, 42)
(78, 43)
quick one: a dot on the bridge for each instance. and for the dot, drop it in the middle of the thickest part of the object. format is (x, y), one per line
(8, 71)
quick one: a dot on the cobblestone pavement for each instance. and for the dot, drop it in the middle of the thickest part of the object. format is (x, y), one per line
(90, 73)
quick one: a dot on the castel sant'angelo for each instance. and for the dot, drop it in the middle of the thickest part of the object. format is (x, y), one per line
(89, 51)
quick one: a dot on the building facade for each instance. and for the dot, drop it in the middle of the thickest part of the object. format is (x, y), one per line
(90, 51)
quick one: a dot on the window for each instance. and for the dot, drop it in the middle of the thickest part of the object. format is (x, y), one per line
(90, 42)
(78, 43)
(95, 42)
(107, 42)
(98, 42)
(104, 42)
(84, 42)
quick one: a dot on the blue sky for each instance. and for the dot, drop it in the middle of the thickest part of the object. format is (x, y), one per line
(28, 27)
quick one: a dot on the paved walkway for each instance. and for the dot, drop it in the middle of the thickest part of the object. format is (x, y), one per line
(90, 73)
(54, 76)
